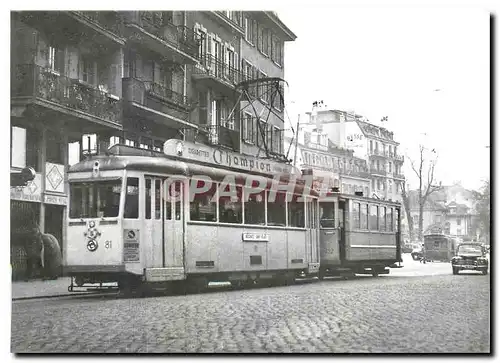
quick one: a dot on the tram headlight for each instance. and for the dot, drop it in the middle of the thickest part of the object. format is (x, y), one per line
(91, 224)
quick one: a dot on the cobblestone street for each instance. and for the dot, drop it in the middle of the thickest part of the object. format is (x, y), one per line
(389, 314)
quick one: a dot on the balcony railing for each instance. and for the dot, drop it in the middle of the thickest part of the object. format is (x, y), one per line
(399, 176)
(180, 37)
(223, 135)
(218, 69)
(29, 80)
(165, 93)
(109, 20)
(399, 157)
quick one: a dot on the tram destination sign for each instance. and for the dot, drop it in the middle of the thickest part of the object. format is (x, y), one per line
(223, 158)
(255, 237)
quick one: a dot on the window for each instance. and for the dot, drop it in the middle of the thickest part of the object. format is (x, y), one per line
(249, 31)
(203, 206)
(276, 209)
(383, 221)
(158, 199)
(327, 215)
(397, 220)
(146, 143)
(312, 213)
(202, 45)
(55, 59)
(265, 41)
(371, 145)
(18, 147)
(248, 128)
(255, 207)
(132, 199)
(390, 167)
(364, 216)
(261, 133)
(262, 90)
(95, 199)
(230, 204)
(459, 221)
(296, 213)
(390, 218)
(148, 199)
(356, 218)
(374, 218)
(88, 70)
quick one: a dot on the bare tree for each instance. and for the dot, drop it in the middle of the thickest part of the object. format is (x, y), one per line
(407, 206)
(425, 175)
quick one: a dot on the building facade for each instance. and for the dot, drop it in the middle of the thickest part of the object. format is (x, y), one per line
(374, 144)
(83, 81)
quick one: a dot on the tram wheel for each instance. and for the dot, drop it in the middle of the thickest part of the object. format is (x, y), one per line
(375, 273)
(321, 274)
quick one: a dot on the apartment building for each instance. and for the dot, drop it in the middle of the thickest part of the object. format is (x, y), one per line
(374, 144)
(82, 81)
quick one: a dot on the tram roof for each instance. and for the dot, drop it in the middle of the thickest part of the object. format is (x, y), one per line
(154, 162)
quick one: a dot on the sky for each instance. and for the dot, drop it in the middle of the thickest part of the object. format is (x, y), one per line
(427, 69)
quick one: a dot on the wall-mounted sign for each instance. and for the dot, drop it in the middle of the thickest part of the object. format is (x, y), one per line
(55, 199)
(54, 177)
(30, 193)
(255, 237)
(206, 154)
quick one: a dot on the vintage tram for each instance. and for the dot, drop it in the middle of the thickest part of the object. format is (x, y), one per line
(196, 214)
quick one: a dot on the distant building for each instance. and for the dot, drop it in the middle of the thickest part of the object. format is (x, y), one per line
(450, 210)
(353, 143)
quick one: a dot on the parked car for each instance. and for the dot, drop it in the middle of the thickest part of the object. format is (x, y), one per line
(470, 256)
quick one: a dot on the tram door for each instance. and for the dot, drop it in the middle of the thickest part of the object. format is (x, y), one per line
(342, 219)
(173, 226)
(329, 233)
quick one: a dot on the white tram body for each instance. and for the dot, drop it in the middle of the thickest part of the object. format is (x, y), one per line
(137, 217)
(122, 226)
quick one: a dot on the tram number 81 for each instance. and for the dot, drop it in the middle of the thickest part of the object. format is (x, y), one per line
(107, 244)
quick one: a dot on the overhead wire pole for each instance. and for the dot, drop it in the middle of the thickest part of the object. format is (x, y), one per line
(296, 142)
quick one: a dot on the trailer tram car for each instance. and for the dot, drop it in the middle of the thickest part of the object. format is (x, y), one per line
(122, 228)
(358, 235)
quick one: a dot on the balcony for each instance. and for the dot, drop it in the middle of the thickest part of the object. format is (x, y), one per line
(223, 136)
(377, 153)
(217, 74)
(32, 84)
(105, 27)
(400, 158)
(399, 176)
(175, 43)
(155, 102)
(380, 172)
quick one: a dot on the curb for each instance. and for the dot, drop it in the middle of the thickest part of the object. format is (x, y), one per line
(62, 295)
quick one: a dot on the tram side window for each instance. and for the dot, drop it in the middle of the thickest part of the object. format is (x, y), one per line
(374, 217)
(276, 209)
(296, 213)
(327, 215)
(132, 199)
(95, 199)
(230, 204)
(148, 198)
(203, 205)
(356, 218)
(397, 220)
(364, 216)
(158, 199)
(382, 219)
(255, 204)
(312, 213)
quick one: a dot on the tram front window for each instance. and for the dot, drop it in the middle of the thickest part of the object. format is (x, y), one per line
(95, 199)
(327, 215)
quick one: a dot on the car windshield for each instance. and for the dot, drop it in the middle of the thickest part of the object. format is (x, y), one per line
(469, 249)
(95, 199)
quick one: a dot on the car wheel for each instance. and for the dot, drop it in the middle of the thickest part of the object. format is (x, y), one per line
(455, 271)
(485, 271)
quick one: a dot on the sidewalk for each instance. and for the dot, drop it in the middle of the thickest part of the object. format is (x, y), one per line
(50, 288)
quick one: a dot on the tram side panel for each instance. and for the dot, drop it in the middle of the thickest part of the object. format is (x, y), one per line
(201, 253)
